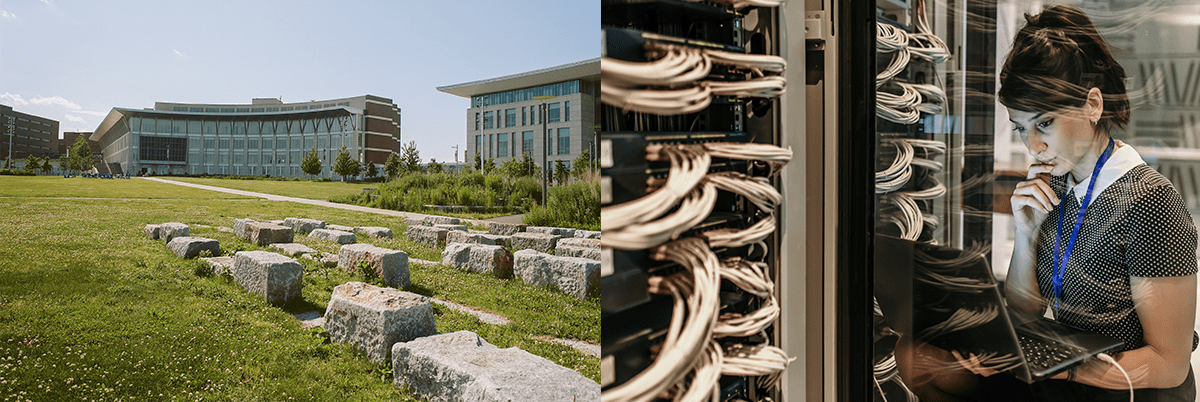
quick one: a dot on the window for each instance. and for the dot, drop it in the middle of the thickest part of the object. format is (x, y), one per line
(523, 115)
(239, 127)
(297, 142)
(477, 121)
(478, 148)
(253, 159)
(308, 143)
(153, 148)
(239, 158)
(490, 140)
(239, 143)
(193, 127)
(252, 143)
(196, 109)
(502, 147)
(224, 159)
(268, 143)
(256, 110)
(180, 108)
(224, 142)
(211, 110)
(552, 113)
(226, 110)
(210, 143)
(243, 110)
(210, 127)
(309, 126)
(487, 120)
(253, 127)
(510, 117)
(135, 124)
(223, 127)
(527, 142)
(567, 111)
(564, 141)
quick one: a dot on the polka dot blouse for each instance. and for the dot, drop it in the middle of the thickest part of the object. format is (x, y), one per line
(1137, 226)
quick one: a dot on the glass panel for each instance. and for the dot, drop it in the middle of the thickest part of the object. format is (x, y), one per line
(239, 127)
(253, 127)
(223, 127)
(527, 142)
(564, 141)
(502, 147)
(178, 126)
(135, 124)
(193, 127)
(552, 113)
(487, 120)
(567, 111)
(309, 126)
(210, 127)
(510, 117)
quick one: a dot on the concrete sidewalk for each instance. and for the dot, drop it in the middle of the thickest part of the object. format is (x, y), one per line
(323, 203)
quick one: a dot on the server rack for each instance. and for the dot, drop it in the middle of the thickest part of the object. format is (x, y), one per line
(736, 120)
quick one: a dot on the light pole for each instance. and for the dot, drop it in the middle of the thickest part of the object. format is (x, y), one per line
(545, 147)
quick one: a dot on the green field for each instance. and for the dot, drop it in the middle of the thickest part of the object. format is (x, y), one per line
(57, 186)
(299, 189)
(92, 309)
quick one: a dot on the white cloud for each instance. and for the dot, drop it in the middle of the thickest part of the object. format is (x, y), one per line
(101, 114)
(47, 2)
(74, 118)
(7, 14)
(57, 100)
(15, 99)
(177, 53)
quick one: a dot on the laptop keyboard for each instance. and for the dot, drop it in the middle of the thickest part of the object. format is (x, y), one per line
(1045, 354)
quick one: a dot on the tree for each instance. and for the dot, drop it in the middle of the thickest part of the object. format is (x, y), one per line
(32, 163)
(515, 168)
(46, 166)
(311, 164)
(489, 165)
(8, 163)
(478, 161)
(371, 170)
(344, 166)
(561, 173)
(392, 166)
(583, 168)
(410, 161)
(80, 156)
(435, 166)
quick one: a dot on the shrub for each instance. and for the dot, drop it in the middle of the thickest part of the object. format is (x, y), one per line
(574, 206)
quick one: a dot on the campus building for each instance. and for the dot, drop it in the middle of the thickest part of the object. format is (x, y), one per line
(68, 139)
(22, 135)
(505, 119)
(264, 137)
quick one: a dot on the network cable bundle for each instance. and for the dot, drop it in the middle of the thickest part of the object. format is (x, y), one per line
(906, 180)
(907, 183)
(688, 295)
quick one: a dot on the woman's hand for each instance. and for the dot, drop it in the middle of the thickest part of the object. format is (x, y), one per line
(1032, 200)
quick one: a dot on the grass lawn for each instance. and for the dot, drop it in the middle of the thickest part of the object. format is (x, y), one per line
(299, 189)
(92, 309)
(57, 186)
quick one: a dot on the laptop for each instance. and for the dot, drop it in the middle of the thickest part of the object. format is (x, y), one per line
(948, 298)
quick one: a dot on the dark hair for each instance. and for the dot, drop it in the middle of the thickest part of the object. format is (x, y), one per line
(1055, 60)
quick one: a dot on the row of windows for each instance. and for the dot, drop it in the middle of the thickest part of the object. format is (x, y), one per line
(521, 95)
(553, 115)
(35, 122)
(28, 129)
(255, 109)
(33, 138)
(483, 144)
(180, 126)
(321, 143)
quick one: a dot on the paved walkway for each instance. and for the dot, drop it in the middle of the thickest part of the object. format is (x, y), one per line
(323, 203)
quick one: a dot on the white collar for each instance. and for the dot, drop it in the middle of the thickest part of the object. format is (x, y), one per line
(1123, 159)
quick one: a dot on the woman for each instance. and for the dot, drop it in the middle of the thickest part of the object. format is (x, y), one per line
(1126, 265)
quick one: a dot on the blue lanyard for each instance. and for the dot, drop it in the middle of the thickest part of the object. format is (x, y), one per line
(1060, 263)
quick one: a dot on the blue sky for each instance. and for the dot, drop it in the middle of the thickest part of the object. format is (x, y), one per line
(73, 61)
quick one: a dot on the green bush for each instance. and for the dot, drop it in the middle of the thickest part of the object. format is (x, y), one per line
(15, 172)
(573, 206)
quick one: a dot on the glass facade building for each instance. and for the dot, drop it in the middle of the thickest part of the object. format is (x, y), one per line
(561, 126)
(266, 137)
